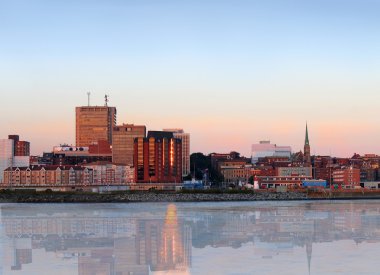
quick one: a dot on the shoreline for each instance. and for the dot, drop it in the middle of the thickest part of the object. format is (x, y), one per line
(135, 197)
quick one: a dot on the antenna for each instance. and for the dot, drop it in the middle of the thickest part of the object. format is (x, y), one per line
(88, 98)
(106, 100)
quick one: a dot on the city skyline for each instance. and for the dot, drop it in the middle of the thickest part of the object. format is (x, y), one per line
(37, 148)
(247, 71)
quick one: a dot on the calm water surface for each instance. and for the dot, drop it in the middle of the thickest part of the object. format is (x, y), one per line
(191, 238)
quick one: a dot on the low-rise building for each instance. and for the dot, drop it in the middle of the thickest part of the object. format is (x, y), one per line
(293, 171)
(312, 183)
(348, 177)
(112, 174)
(72, 155)
(37, 176)
(273, 182)
(370, 184)
(237, 173)
(266, 149)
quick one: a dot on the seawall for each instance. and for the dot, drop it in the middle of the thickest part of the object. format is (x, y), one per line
(130, 197)
(27, 197)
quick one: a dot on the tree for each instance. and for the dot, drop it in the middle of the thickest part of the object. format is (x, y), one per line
(199, 162)
(202, 164)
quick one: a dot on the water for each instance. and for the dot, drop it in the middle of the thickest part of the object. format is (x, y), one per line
(191, 238)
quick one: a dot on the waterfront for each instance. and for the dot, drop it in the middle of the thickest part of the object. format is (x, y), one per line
(295, 237)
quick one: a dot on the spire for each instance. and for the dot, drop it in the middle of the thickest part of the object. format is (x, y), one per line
(307, 136)
(309, 250)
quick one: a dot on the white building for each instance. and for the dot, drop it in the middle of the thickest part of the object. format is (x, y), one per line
(21, 161)
(266, 149)
(6, 156)
(297, 171)
(185, 137)
(112, 174)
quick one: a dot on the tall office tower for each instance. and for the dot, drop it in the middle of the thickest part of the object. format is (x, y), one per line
(306, 151)
(6, 155)
(158, 158)
(123, 138)
(185, 137)
(21, 148)
(94, 123)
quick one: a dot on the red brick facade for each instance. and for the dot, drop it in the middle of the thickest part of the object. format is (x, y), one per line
(158, 160)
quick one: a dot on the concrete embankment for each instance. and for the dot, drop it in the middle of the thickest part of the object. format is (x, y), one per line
(26, 197)
(127, 197)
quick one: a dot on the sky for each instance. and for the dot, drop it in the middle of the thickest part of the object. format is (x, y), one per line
(231, 73)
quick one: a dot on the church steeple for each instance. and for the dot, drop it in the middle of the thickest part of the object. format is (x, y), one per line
(307, 136)
(306, 151)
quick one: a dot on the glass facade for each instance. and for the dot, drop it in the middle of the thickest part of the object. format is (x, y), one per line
(185, 138)
(158, 160)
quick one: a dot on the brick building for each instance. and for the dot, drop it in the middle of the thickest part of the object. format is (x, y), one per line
(158, 158)
(123, 142)
(46, 176)
(290, 181)
(21, 148)
(94, 123)
(347, 177)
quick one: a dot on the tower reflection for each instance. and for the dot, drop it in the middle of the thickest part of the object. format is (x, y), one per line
(146, 239)
(165, 245)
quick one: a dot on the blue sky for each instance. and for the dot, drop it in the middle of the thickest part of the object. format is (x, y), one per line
(241, 70)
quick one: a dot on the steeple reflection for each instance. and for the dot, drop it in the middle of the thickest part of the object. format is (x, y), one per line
(143, 239)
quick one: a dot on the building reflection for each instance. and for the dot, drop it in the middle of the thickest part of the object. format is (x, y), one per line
(161, 241)
(101, 245)
(164, 245)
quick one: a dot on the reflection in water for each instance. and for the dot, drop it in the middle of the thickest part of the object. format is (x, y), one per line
(193, 238)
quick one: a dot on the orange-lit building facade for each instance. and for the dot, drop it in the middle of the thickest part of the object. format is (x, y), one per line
(123, 137)
(94, 123)
(158, 158)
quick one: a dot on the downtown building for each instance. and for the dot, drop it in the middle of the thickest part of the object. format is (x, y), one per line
(266, 149)
(20, 148)
(158, 158)
(93, 124)
(185, 138)
(13, 153)
(65, 154)
(106, 173)
(123, 138)
(48, 176)
(348, 177)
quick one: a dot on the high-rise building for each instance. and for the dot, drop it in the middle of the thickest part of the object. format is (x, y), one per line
(266, 149)
(123, 137)
(13, 152)
(158, 158)
(306, 151)
(94, 123)
(185, 137)
(6, 156)
(21, 148)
